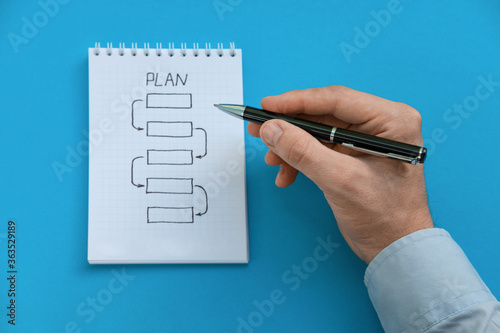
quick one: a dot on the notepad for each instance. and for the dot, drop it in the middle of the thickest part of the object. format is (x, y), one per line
(166, 168)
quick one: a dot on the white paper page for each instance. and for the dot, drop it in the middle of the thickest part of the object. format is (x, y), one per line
(167, 169)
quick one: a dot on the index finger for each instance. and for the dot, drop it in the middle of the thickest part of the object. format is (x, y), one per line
(343, 103)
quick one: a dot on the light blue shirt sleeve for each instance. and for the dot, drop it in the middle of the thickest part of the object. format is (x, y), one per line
(424, 283)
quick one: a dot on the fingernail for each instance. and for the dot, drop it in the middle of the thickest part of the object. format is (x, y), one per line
(271, 133)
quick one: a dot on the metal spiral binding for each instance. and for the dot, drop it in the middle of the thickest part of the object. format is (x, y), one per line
(159, 51)
(195, 49)
(109, 49)
(97, 49)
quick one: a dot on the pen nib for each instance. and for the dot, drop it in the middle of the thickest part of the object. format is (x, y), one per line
(233, 110)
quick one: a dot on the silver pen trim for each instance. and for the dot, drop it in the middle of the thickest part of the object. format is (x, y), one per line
(419, 157)
(332, 133)
(412, 160)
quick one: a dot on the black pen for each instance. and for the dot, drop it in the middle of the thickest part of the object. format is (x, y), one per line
(358, 141)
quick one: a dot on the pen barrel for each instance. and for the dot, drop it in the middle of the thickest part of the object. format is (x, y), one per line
(319, 131)
(374, 143)
(359, 141)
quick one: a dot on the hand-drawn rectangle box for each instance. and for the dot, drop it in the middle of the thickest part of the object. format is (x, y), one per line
(169, 101)
(170, 157)
(173, 129)
(169, 185)
(170, 215)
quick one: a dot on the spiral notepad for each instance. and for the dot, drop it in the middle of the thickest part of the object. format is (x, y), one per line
(166, 168)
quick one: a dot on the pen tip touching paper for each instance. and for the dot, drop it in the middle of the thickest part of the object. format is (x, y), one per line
(216, 105)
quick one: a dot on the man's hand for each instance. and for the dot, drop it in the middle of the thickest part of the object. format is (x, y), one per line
(375, 200)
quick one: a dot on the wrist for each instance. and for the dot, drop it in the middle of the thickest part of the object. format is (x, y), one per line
(389, 237)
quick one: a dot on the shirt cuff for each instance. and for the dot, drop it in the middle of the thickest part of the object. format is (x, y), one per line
(420, 280)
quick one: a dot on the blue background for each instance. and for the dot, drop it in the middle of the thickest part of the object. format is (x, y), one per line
(430, 55)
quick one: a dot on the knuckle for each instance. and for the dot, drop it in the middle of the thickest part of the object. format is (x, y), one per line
(300, 102)
(405, 108)
(415, 117)
(337, 88)
(411, 120)
(297, 97)
(416, 123)
(409, 113)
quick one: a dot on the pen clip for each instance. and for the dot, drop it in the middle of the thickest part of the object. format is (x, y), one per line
(408, 159)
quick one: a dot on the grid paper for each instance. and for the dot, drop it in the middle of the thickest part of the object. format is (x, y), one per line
(167, 169)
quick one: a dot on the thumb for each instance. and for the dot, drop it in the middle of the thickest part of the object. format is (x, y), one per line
(302, 151)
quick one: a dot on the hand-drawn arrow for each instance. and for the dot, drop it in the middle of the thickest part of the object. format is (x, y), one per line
(201, 129)
(132, 173)
(137, 128)
(206, 196)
